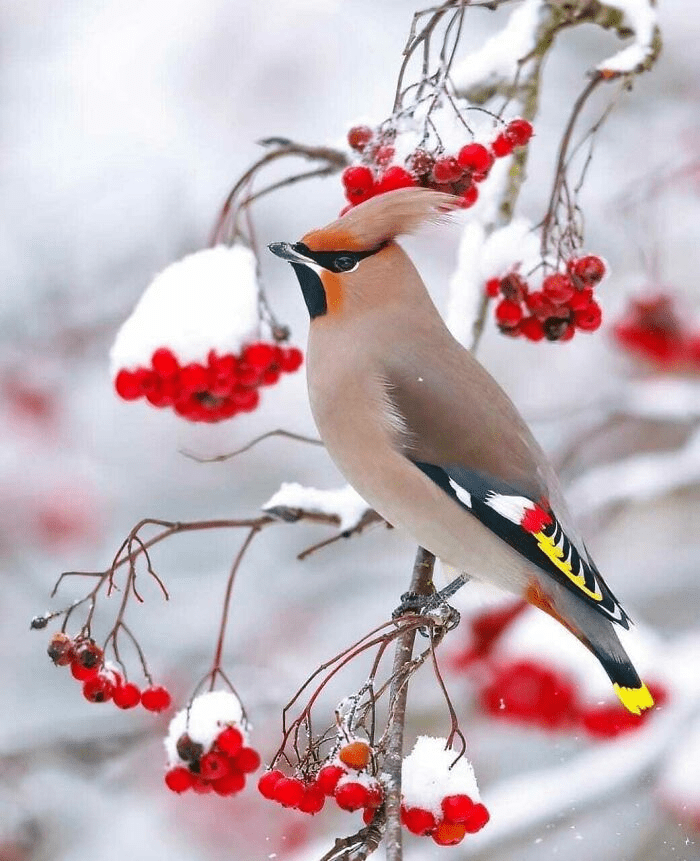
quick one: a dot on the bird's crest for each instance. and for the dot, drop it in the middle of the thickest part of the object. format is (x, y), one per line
(383, 218)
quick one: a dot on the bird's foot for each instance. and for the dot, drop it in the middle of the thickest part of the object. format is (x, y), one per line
(434, 606)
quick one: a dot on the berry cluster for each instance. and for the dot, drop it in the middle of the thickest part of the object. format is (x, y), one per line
(101, 682)
(530, 693)
(653, 329)
(564, 303)
(459, 816)
(344, 779)
(457, 174)
(221, 388)
(221, 767)
(440, 798)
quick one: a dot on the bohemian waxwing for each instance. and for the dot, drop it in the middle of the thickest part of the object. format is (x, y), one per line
(427, 436)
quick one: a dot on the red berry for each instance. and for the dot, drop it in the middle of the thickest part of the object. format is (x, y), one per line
(328, 777)
(288, 791)
(449, 833)
(590, 269)
(155, 699)
(126, 696)
(558, 288)
(267, 783)
(179, 779)
(493, 287)
(368, 815)
(98, 689)
(568, 333)
(478, 817)
(355, 754)
(518, 132)
(589, 318)
(469, 197)
(508, 313)
(248, 375)
(358, 178)
(270, 376)
(532, 329)
(214, 765)
(383, 155)
(351, 796)
(81, 673)
(420, 162)
(475, 158)
(447, 169)
(457, 808)
(502, 146)
(229, 784)
(60, 649)
(291, 359)
(514, 287)
(201, 786)
(259, 355)
(418, 821)
(247, 760)
(246, 400)
(194, 378)
(359, 137)
(375, 796)
(312, 800)
(230, 740)
(128, 385)
(394, 178)
(89, 655)
(164, 363)
(540, 305)
(580, 299)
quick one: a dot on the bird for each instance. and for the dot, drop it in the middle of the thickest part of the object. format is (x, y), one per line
(429, 439)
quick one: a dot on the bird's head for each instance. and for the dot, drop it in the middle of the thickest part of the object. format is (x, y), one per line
(343, 265)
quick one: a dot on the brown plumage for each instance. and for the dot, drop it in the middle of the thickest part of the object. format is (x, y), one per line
(427, 436)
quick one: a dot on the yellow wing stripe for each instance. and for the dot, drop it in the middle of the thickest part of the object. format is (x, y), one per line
(635, 700)
(555, 554)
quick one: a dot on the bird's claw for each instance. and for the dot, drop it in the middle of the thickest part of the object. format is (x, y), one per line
(434, 606)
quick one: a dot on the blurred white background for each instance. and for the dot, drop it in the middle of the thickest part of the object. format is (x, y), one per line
(124, 124)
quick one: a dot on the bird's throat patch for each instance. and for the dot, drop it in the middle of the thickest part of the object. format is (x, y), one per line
(311, 289)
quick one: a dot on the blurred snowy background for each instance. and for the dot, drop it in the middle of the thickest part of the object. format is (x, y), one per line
(124, 124)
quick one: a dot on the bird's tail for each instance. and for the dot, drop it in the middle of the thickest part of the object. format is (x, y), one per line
(633, 693)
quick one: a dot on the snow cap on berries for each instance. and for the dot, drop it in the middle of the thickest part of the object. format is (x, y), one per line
(207, 715)
(206, 301)
(426, 776)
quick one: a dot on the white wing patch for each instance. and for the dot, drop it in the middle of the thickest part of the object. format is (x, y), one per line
(462, 495)
(513, 508)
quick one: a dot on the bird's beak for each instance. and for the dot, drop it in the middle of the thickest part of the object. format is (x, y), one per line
(288, 253)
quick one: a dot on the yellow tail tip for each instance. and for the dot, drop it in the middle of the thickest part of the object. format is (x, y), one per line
(635, 700)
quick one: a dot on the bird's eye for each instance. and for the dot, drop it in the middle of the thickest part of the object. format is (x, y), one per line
(345, 263)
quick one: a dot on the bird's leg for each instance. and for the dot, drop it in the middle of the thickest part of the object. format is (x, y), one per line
(434, 604)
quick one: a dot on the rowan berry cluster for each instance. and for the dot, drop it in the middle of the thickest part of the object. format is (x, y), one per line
(211, 392)
(102, 682)
(563, 304)
(344, 778)
(440, 798)
(653, 329)
(207, 747)
(458, 173)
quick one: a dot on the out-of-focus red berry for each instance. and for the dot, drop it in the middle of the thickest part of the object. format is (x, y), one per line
(98, 689)
(589, 269)
(393, 178)
(383, 154)
(126, 696)
(420, 162)
(508, 313)
(502, 146)
(588, 319)
(532, 328)
(447, 169)
(351, 796)
(493, 287)
(313, 799)
(230, 740)
(558, 288)
(247, 760)
(291, 359)
(267, 783)
(229, 784)
(418, 821)
(128, 385)
(164, 363)
(214, 765)
(288, 791)
(469, 196)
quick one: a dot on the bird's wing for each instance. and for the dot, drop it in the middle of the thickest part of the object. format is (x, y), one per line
(468, 438)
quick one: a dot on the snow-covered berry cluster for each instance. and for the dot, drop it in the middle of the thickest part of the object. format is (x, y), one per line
(563, 304)
(653, 329)
(193, 343)
(440, 798)
(101, 681)
(345, 778)
(455, 173)
(210, 392)
(207, 747)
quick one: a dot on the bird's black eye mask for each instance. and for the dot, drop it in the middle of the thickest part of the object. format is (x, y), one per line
(337, 261)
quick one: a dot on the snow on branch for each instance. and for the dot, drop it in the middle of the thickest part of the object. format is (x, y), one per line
(345, 503)
(640, 16)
